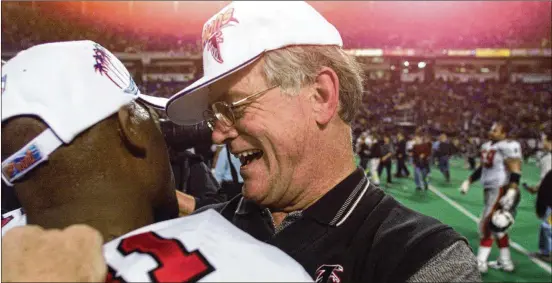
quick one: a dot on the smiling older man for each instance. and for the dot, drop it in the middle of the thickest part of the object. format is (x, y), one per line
(281, 92)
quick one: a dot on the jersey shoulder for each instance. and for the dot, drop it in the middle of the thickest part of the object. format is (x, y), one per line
(510, 148)
(12, 219)
(203, 247)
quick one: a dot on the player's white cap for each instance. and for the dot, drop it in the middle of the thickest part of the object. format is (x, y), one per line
(71, 86)
(238, 35)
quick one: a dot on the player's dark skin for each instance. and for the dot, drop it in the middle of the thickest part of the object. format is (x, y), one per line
(115, 176)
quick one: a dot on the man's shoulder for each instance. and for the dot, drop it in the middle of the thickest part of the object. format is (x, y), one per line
(405, 240)
(401, 220)
(456, 263)
(509, 148)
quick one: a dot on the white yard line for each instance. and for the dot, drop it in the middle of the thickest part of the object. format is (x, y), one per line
(513, 244)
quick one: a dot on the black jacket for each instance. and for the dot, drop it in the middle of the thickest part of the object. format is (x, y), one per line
(401, 148)
(444, 149)
(192, 176)
(544, 196)
(355, 232)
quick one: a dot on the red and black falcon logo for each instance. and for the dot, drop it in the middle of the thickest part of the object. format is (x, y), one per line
(326, 273)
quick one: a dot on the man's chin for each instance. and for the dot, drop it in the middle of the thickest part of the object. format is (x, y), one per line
(253, 192)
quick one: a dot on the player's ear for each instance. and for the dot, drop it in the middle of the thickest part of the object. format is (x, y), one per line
(131, 122)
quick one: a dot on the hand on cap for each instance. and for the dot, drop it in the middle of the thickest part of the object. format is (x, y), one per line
(32, 254)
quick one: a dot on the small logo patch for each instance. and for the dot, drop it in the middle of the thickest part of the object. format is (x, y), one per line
(114, 70)
(22, 162)
(212, 33)
(327, 273)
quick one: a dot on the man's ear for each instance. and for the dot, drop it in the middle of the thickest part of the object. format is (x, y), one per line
(131, 125)
(326, 97)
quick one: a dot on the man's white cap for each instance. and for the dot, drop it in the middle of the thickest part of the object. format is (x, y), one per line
(238, 35)
(71, 86)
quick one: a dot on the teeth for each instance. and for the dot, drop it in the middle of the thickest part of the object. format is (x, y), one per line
(244, 156)
(247, 153)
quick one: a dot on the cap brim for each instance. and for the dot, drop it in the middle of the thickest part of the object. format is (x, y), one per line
(153, 101)
(186, 107)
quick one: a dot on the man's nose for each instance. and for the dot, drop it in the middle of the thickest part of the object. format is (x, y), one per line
(222, 133)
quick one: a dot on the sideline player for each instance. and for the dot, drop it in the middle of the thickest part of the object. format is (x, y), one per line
(80, 147)
(500, 173)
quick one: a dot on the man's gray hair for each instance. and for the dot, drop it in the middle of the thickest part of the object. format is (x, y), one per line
(294, 67)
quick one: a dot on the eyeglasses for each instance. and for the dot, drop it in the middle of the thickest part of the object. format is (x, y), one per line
(224, 112)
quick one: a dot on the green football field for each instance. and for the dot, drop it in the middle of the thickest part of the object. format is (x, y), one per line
(444, 202)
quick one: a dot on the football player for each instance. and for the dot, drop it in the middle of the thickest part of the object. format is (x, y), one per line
(80, 146)
(500, 173)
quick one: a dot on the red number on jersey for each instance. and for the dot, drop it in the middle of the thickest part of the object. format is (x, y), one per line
(6, 220)
(487, 158)
(175, 263)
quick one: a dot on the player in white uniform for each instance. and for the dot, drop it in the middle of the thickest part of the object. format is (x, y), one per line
(500, 172)
(74, 105)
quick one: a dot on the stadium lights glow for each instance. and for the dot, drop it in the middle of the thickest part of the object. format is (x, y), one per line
(421, 65)
(406, 63)
(392, 67)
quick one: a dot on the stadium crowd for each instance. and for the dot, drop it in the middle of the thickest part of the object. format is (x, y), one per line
(458, 108)
(25, 25)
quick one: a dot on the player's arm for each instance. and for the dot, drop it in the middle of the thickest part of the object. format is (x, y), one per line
(474, 177)
(513, 165)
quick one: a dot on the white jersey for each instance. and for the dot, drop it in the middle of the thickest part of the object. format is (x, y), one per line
(493, 155)
(13, 219)
(203, 247)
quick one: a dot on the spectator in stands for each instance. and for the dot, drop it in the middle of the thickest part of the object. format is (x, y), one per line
(25, 24)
